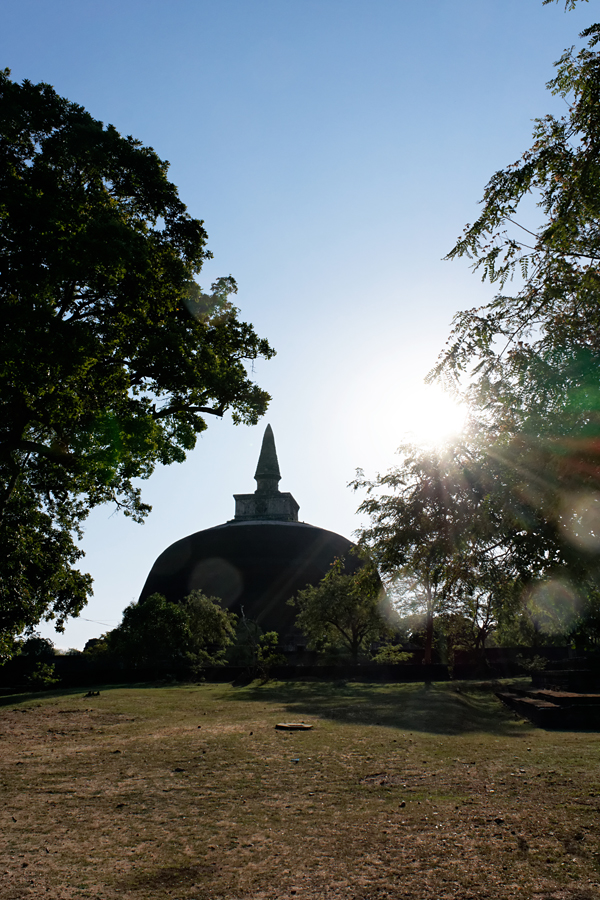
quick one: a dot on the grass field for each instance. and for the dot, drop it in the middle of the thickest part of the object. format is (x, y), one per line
(399, 791)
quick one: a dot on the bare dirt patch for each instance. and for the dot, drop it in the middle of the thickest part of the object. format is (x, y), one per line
(190, 793)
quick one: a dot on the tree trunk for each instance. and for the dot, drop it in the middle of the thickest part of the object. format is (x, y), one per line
(10, 488)
(428, 629)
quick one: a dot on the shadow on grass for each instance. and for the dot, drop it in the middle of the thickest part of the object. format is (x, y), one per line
(437, 708)
(14, 699)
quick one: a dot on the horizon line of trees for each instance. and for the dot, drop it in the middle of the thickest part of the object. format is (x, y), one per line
(345, 619)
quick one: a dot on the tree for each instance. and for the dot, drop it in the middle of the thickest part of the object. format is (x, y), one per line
(391, 654)
(255, 649)
(37, 648)
(212, 628)
(467, 534)
(154, 634)
(173, 637)
(447, 534)
(111, 355)
(37, 670)
(529, 362)
(343, 610)
(531, 359)
(415, 534)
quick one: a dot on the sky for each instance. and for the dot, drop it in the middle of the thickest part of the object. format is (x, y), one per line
(335, 149)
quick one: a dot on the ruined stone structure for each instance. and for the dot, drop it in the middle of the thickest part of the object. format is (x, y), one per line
(256, 561)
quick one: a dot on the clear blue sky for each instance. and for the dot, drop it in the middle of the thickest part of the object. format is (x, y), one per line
(335, 150)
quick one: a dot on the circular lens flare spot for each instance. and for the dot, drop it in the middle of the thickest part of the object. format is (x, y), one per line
(580, 520)
(553, 606)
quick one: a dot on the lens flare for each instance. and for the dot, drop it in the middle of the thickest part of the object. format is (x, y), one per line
(580, 520)
(553, 606)
(430, 415)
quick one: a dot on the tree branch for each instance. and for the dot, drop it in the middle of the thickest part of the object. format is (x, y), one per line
(171, 410)
(56, 455)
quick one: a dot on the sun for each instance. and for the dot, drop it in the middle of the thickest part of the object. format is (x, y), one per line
(429, 415)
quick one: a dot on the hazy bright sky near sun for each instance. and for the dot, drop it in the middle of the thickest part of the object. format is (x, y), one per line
(335, 149)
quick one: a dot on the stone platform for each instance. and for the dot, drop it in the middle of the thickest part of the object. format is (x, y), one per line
(554, 709)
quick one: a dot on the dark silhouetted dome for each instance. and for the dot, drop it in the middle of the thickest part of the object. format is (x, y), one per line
(258, 560)
(257, 565)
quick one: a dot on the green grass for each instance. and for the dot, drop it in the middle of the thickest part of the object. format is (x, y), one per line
(189, 792)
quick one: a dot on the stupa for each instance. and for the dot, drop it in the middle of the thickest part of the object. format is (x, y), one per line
(257, 560)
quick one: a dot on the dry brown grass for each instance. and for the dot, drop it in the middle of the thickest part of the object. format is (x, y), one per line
(189, 792)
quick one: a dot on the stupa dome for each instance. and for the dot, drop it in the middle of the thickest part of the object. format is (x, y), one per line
(256, 561)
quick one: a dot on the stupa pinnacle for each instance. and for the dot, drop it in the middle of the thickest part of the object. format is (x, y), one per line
(267, 503)
(267, 475)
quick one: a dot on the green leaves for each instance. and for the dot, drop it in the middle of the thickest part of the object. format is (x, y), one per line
(343, 610)
(472, 531)
(171, 637)
(458, 533)
(212, 628)
(111, 355)
(557, 259)
(529, 362)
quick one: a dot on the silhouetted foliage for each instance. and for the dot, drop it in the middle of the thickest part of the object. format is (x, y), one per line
(347, 611)
(36, 647)
(448, 532)
(175, 638)
(500, 532)
(255, 649)
(112, 356)
(531, 360)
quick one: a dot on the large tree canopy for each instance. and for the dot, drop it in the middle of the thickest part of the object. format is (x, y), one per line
(508, 519)
(530, 361)
(530, 351)
(171, 636)
(111, 355)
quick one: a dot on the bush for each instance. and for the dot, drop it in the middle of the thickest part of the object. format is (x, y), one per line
(159, 637)
(42, 677)
(536, 664)
(391, 654)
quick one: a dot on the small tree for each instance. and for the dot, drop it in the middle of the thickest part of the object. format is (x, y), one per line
(257, 650)
(39, 654)
(416, 531)
(343, 610)
(392, 654)
(211, 628)
(167, 635)
(268, 655)
(42, 677)
(528, 361)
(153, 633)
(447, 532)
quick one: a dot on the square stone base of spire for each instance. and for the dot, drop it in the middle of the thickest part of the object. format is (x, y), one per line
(276, 506)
